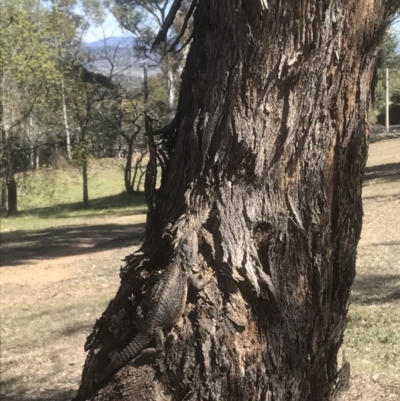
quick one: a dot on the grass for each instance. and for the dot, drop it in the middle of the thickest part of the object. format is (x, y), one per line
(47, 197)
(372, 338)
(57, 316)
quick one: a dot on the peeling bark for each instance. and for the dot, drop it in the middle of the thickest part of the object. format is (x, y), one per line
(266, 158)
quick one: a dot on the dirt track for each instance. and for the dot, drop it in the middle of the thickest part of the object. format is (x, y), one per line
(55, 283)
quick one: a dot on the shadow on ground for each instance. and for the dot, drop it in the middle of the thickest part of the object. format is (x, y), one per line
(373, 289)
(389, 243)
(48, 395)
(386, 172)
(98, 206)
(67, 241)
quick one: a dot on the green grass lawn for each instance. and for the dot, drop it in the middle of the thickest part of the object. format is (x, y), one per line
(48, 197)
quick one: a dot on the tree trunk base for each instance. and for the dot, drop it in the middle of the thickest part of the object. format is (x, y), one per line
(12, 197)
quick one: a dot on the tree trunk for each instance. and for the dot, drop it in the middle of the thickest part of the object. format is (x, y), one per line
(171, 91)
(36, 156)
(12, 196)
(145, 86)
(65, 120)
(31, 158)
(3, 206)
(4, 164)
(128, 167)
(138, 169)
(32, 139)
(267, 153)
(85, 183)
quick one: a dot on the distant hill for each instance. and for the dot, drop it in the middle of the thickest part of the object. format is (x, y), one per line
(118, 53)
(112, 41)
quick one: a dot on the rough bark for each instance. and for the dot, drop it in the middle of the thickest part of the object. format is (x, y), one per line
(266, 157)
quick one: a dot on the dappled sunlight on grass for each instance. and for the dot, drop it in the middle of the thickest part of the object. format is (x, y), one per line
(46, 198)
(59, 215)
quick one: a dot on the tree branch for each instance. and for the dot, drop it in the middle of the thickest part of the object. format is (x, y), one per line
(162, 34)
(189, 13)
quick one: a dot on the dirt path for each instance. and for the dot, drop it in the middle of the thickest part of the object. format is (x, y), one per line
(55, 283)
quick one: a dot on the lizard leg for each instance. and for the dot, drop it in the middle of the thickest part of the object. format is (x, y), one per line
(159, 349)
(199, 280)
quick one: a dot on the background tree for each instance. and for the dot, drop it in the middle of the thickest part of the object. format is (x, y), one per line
(144, 19)
(126, 121)
(124, 113)
(388, 57)
(66, 24)
(54, 100)
(27, 68)
(85, 91)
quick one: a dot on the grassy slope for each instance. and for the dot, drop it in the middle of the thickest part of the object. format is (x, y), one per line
(50, 198)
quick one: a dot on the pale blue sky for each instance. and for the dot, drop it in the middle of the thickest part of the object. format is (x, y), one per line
(396, 27)
(110, 27)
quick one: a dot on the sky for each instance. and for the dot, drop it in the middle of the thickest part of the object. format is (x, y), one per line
(110, 27)
(396, 27)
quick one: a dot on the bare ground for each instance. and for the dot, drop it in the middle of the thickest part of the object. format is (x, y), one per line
(55, 283)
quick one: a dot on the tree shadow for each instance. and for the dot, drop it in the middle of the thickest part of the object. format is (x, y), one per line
(98, 207)
(370, 289)
(47, 395)
(384, 172)
(20, 388)
(75, 329)
(19, 247)
(389, 243)
(381, 197)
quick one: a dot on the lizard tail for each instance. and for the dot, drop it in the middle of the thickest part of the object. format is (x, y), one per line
(137, 344)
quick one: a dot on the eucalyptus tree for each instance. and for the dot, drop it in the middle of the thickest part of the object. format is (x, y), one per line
(144, 18)
(388, 58)
(27, 67)
(265, 162)
(65, 24)
(84, 91)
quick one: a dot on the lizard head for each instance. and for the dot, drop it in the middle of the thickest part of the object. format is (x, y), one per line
(188, 248)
